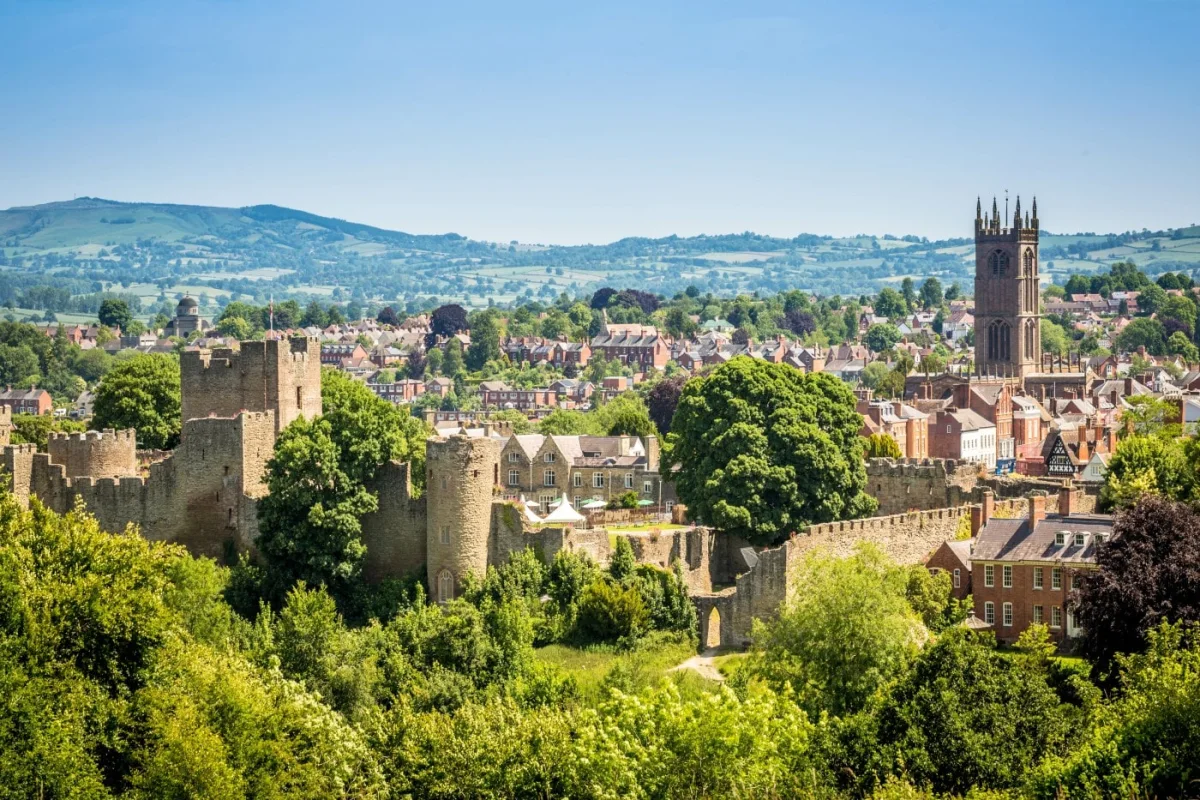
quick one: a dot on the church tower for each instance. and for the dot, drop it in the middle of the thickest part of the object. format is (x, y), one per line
(1008, 333)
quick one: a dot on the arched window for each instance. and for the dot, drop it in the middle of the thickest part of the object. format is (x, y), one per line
(1028, 262)
(445, 586)
(999, 263)
(998, 341)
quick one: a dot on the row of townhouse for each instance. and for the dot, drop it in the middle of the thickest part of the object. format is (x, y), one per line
(544, 468)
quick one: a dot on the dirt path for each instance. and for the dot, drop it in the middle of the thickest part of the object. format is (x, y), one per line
(703, 665)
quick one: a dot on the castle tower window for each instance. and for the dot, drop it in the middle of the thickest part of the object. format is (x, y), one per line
(299, 397)
(445, 536)
(445, 586)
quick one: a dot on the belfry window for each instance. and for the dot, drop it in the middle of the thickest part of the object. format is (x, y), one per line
(999, 263)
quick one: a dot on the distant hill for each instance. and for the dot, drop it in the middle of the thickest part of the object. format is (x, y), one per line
(62, 254)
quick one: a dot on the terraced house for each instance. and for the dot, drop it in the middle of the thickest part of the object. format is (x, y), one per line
(543, 468)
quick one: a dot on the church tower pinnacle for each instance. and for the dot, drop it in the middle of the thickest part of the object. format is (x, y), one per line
(1007, 294)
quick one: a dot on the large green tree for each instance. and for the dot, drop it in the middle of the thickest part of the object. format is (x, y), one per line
(764, 449)
(485, 340)
(142, 393)
(320, 486)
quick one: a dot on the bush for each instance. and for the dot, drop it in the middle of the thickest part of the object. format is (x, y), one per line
(609, 612)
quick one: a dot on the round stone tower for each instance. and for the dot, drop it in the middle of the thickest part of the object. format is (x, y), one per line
(460, 475)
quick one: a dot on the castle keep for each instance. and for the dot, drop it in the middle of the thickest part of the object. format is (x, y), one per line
(204, 494)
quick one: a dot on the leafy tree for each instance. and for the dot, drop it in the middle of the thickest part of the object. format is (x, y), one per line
(18, 365)
(452, 363)
(1148, 573)
(1149, 464)
(569, 422)
(931, 293)
(909, 293)
(521, 424)
(622, 562)
(800, 323)
(314, 316)
(115, 314)
(1178, 315)
(1054, 338)
(448, 320)
(846, 632)
(880, 445)
(889, 303)
(967, 717)
(662, 400)
(485, 341)
(601, 297)
(388, 316)
(1143, 332)
(235, 327)
(954, 292)
(1151, 298)
(883, 337)
(1179, 345)
(142, 393)
(610, 613)
(874, 375)
(35, 429)
(625, 415)
(1144, 744)
(763, 449)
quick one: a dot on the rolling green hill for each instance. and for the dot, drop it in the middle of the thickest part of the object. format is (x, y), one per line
(60, 256)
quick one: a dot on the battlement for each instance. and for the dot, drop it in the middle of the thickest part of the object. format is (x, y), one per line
(279, 376)
(919, 467)
(95, 453)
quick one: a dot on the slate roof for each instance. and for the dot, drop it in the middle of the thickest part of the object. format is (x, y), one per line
(1012, 539)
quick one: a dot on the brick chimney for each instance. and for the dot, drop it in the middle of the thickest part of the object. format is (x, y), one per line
(1067, 504)
(982, 513)
(1084, 453)
(1112, 439)
(1037, 509)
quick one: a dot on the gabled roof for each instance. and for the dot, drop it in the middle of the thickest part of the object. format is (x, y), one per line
(1012, 539)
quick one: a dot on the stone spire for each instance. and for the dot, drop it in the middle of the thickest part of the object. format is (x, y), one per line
(1017, 215)
(995, 214)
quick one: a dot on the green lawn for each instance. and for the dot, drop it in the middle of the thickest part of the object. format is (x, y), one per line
(644, 666)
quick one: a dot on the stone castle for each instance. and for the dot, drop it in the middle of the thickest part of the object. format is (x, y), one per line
(204, 495)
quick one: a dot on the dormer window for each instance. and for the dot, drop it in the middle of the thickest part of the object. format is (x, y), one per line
(1101, 538)
(1080, 539)
(1060, 538)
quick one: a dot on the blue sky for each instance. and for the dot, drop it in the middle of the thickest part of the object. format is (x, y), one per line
(576, 122)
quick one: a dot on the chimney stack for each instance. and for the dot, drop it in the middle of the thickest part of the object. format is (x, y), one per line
(1037, 509)
(1084, 454)
(982, 513)
(1066, 500)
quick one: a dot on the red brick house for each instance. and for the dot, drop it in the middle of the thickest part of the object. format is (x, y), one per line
(27, 401)
(954, 558)
(1024, 569)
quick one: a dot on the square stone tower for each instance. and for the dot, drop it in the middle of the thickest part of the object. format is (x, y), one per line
(279, 376)
(1008, 333)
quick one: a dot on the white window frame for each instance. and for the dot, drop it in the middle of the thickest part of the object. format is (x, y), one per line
(513, 458)
(1074, 582)
(1006, 576)
(647, 487)
(1039, 614)
(989, 612)
(577, 479)
(628, 480)
(1006, 615)
(548, 458)
(597, 480)
(549, 478)
(1039, 578)
(989, 576)
(514, 477)
(1056, 578)
(957, 579)
(1055, 617)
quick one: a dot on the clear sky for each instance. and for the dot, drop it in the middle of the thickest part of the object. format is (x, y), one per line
(573, 122)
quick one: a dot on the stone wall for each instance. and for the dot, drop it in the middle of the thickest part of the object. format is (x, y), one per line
(395, 535)
(100, 454)
(283, 377)
(6, 426)
(909, 484)
(905, 538)
(203, 496)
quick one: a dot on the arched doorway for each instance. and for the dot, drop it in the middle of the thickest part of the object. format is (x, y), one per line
(712, 629)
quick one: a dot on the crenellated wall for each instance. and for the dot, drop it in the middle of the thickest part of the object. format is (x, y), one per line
(279, 376)
(6, 425)
(908, 484)
(96, 453)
